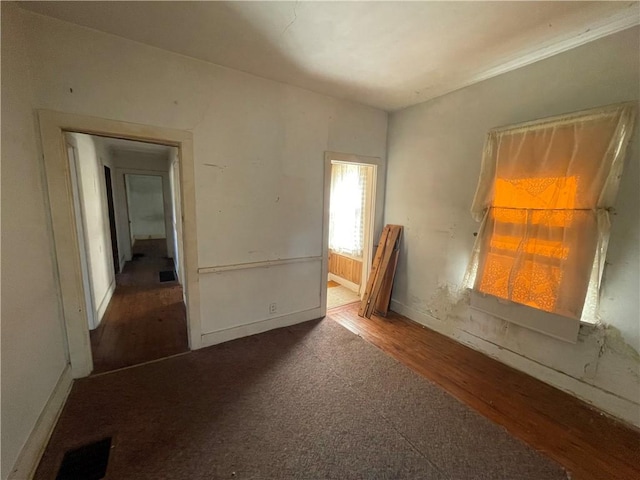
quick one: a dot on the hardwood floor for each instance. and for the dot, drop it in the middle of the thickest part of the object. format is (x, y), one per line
(145, 319)
(589, 444)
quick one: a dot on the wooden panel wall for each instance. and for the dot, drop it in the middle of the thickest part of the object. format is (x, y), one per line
(345, 267)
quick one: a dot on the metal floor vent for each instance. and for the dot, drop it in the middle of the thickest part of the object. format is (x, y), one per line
(88, 462)
(137, 256)
(167, 276)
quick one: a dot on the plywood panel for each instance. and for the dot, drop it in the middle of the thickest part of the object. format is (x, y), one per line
(345, 267)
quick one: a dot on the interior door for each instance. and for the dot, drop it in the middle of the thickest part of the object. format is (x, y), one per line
(112, 220)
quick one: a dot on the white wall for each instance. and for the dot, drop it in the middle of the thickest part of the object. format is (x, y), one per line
(91, 159)
(258, 148)
(33, 341)
(146, 206)
(435, 150)
(259, 164)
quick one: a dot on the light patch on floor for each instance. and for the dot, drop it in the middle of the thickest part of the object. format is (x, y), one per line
(338, 296)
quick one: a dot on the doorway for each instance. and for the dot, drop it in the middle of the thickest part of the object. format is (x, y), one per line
(139, 313)
(350, 230)
(145, 207)
(60, 177)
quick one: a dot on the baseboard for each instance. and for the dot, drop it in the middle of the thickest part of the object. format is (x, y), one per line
(610, 403)
(27, 462)
(260, 326)
(345, 283)
(105, 301)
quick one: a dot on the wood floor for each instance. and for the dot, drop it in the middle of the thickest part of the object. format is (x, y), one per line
(145, 319)
(587, 443)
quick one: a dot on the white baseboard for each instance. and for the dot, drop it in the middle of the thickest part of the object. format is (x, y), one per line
(345, 283)
(260, 326)
(104, 303)
(27, 462)
(619, 407)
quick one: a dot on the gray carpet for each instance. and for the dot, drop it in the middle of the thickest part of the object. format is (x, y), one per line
(313, 401)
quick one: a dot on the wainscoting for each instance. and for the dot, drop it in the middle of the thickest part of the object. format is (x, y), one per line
(345, 267)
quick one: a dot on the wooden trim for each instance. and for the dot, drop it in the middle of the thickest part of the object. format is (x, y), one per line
(263, 264)
(351, 158)
(52, 127)
(345, 283)
(102, 308)
(29, 457)
(259, 326)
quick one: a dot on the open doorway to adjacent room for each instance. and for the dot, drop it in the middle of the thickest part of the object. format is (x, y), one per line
(351, 209)
(127, 201)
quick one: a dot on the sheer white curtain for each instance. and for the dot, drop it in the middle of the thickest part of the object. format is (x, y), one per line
(346, 212)
(542, 197)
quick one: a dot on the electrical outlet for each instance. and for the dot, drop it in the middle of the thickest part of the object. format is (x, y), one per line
(273, 308)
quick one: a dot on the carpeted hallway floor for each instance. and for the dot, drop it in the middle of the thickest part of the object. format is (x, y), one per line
(312, 401)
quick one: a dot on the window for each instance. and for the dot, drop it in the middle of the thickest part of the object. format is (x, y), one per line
(346, 212)
(542, 197)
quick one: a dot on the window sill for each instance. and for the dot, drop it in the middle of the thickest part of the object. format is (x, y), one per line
(551, 324)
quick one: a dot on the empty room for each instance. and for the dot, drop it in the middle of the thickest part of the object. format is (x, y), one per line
(316, 240)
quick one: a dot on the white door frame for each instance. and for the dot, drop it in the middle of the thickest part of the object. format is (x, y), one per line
(53, 125)
(374, 162)
(92, 311)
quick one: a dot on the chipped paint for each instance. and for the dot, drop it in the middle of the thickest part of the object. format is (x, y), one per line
(614, 341)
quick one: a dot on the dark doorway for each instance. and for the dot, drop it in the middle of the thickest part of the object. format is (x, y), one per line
(112, 220)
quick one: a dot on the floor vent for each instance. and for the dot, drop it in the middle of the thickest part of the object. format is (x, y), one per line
(137, 256)
(167, 276)
(88, 462)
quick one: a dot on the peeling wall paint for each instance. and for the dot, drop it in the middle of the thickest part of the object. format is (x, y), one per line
(434, 158)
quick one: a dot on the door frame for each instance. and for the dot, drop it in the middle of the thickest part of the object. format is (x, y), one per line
(377, 173)
(81, 232)
(53, 126)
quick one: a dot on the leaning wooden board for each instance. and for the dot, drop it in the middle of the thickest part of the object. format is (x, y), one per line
(382, 263)
(382, 305)
(374, 268)
(390, 245)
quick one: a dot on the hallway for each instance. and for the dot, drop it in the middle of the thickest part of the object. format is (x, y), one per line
(145, 319)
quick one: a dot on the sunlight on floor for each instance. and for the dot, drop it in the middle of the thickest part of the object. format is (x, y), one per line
(337, 295)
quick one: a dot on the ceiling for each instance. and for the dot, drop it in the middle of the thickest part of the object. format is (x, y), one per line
(385, 54)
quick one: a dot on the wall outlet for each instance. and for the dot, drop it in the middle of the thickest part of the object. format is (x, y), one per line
(273, 308)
